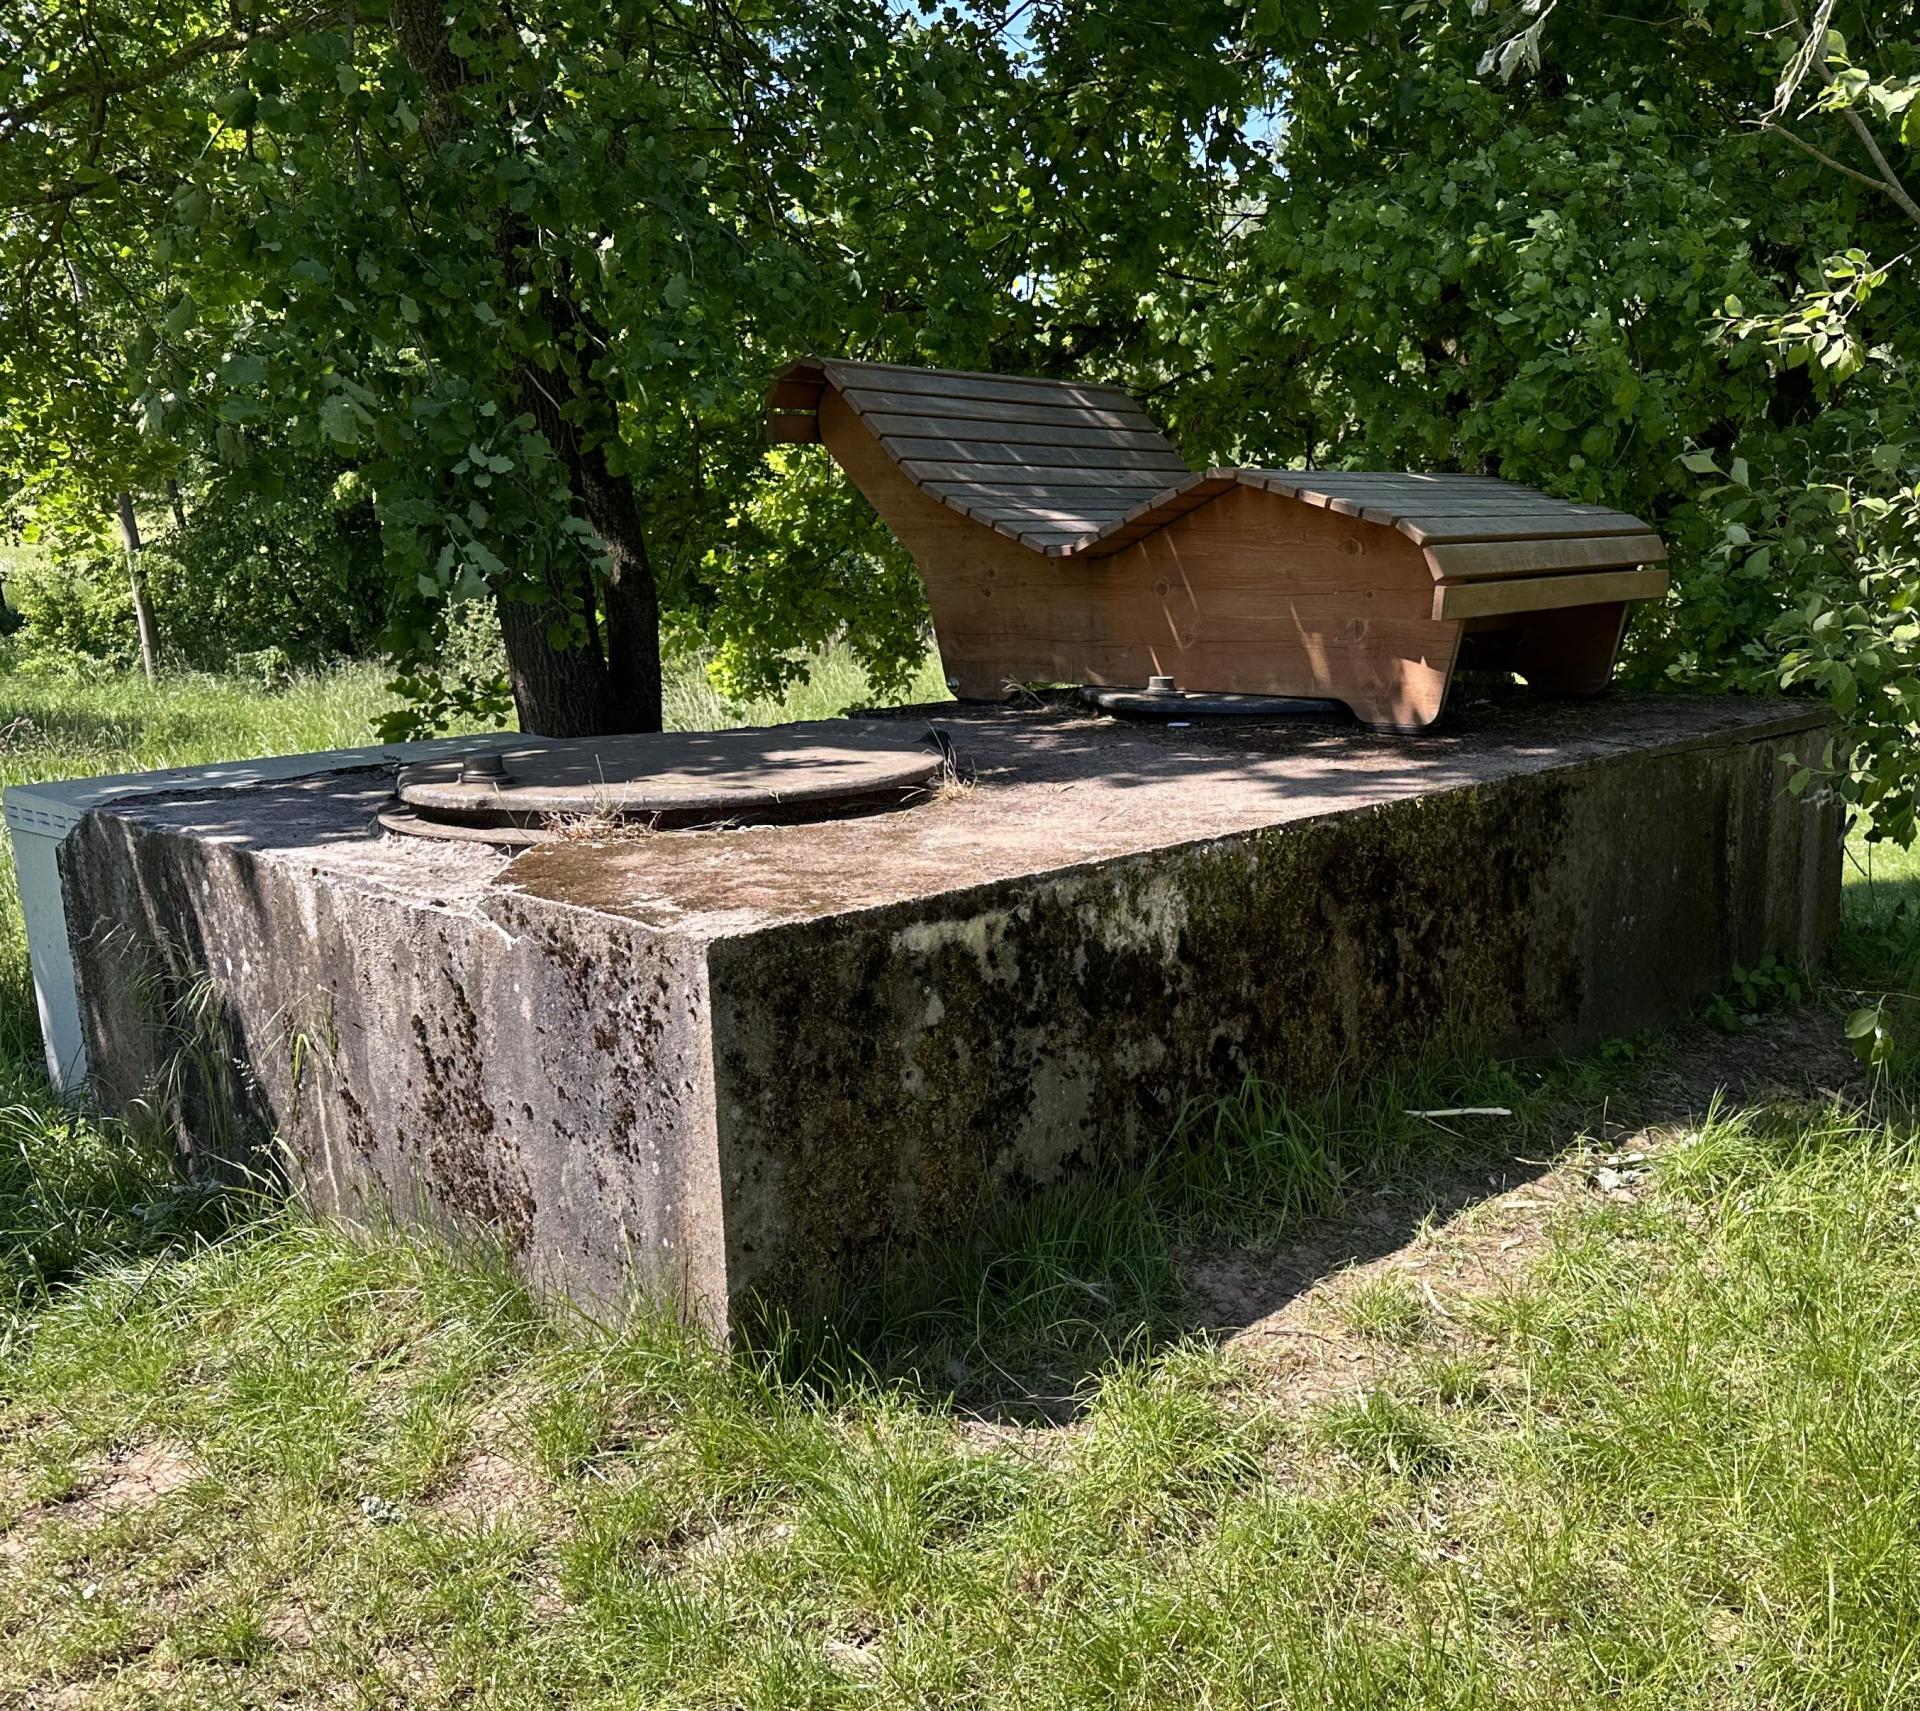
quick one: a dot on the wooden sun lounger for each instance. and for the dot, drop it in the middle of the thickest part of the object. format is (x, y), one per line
(1063, 539)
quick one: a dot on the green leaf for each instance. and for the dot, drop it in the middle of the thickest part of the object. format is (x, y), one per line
(339, 423)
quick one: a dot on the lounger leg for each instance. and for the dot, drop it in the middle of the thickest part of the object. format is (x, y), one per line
(1409, 701)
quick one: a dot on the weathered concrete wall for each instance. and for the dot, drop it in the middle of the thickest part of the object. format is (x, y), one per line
(524, 1068)
(701, 1064)
(896, 1071)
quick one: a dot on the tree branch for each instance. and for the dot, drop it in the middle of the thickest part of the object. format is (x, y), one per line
(1890, 180)
(1821, 155)
(1812, 52)
(208, 46)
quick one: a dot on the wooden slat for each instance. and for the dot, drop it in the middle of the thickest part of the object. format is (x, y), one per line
(793, 429)
(1485, 501)
(1428, 479)
(1545, 593)
(1048, 537)
(1475, 560)
(869, 403)
(1394, 507)
(1487, 505)
(1132, 493)
(1076, 500)
(908, 429)
(952, 383)
(1369, 481)
(1089, 521)
(894, 429)
(1065, 466)
(1394, 499)
(1509, 526)
(989, 460)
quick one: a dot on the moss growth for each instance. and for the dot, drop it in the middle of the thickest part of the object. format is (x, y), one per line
(897, 1076)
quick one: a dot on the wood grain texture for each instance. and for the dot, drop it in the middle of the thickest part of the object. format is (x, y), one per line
(1517, 524)
(1236, 595)
(956, 383)
(1543, 593)
(795, 395)
(869, 403)
(909, 429)
(1064, 466)
(1472, 560)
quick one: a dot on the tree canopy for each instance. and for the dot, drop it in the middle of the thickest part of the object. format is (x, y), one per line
(526, 272)
(509, 281)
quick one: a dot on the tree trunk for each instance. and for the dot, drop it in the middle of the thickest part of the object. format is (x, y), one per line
(173, 499)
(610, 683)
(142, 607)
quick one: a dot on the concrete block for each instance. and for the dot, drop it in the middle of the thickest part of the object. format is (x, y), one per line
(708, 1064)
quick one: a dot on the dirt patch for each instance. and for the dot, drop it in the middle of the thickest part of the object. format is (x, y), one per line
(487, 1485)
(131, 1480)
(1293, 1313)
(126, 1479)
(292, 1627)
(1802, 1056)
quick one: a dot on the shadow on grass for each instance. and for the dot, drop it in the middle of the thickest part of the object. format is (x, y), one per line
(1259, 1197)
(1252, 1201)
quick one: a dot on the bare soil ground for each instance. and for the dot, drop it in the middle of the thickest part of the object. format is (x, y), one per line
(1289, 1312)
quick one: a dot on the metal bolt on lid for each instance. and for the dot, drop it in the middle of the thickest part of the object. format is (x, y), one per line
(483, 769)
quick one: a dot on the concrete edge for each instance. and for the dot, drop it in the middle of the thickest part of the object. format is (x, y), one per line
(1616, 754)
(38, 818)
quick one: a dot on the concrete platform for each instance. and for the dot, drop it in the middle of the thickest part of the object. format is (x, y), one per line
(706, 1063)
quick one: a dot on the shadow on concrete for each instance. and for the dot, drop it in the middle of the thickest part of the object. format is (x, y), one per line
(153, 959)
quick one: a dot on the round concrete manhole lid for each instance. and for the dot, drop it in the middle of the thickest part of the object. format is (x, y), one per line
(542, 791)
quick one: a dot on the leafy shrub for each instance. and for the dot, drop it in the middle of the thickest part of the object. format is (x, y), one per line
(296, 569)
(77, 607)
(285, 578)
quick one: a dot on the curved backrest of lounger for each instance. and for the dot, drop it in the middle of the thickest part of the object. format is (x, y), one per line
(1045, 462)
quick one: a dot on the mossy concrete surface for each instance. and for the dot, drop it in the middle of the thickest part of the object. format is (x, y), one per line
(742, 1063)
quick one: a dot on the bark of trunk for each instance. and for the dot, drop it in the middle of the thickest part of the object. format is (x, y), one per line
(136, 580)
(611, 683)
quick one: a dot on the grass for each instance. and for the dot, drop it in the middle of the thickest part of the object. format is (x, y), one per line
(1658, 1447)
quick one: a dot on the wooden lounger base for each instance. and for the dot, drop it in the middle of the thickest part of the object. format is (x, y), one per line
(1568, 651)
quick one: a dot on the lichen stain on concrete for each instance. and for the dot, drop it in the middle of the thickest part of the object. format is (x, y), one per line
(979, 936)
